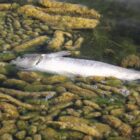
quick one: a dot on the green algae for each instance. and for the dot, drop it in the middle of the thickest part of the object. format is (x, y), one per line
(96, 102)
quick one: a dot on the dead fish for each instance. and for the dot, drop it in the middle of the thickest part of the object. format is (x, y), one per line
(57, 63)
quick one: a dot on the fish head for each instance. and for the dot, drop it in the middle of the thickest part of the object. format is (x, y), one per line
(27, 61)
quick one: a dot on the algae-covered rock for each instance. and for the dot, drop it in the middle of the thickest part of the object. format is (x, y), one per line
(77, 127)
(23, 94)
(79, 103)
(22, 125)
(28, 138)
(15, 83)
(94, 79)
(2, 78)
(113, 121)
(50, 134)
(58, 20)
(54, 111)
(79, 91)
(137, 131)
(56, 7)
(19, 103)
(78, 43)
(60, 89)
(131, 61)
(73, 135)
(29, 45)
(6, 136)
(32, 129)
(72, 119)
(20, 135)
(91, 104)
(72, 112)
(60, 106)
(118, 138)
(16, 24)
(92, 115)
(93, 88)
(37, 137)
(123, 128)
(131, 107)
(68, 45)
(8, 127)
(117, 112)
(10, 109)
(29, 76)
(57, 41)
(87, 110)
(120, 91)
(5, 6)
(54, 79)
(65, 97)
(7, 56)
(36, 88)
(7, 69)
(104, 129)
(114, 82)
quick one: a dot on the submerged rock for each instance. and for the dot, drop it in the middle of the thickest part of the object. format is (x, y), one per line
(124, 128)
(29, 76)
(56, 7)
(20, 135)
(57, 41)
(132, 61)
(76, 126)
(7, 56)
(31, 44)
(6, 136)
(10, 109)
(15, 83)
(58, 20)
(7, 6)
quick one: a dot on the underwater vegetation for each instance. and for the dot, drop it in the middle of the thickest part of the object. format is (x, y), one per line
(39, 106)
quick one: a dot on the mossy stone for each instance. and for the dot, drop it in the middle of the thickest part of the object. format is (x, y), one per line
(15, 83)
(32, 130)
(6, 56)
(28, 138)
(37, 88)
(6, 136)
(20, 135)
(50, 134)
(22, 125)
(114, 83)
(60, 89)
(37, 137)
(2, 77)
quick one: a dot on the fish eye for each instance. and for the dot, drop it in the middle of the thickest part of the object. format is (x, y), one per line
(40, 58)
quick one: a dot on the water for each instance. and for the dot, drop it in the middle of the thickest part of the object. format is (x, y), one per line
(117, 36)
(35, 105)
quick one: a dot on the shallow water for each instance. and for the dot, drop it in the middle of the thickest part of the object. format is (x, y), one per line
(40, 106)
(118, 32)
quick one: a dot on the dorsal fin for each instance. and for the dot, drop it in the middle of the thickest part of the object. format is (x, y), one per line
(59, 54)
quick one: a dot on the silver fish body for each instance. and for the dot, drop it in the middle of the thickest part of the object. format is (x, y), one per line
(58, 64)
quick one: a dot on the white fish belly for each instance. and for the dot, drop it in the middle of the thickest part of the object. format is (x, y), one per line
(70, 66)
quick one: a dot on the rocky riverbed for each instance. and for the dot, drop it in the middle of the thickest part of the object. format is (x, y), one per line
(40, 106)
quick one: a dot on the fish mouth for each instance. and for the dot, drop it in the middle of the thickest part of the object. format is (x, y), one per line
(27, 60)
